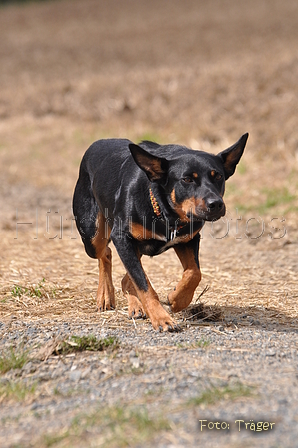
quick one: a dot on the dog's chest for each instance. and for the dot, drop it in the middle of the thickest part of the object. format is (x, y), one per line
(160, 243)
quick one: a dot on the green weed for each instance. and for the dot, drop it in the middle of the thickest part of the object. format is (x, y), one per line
(116, 426)
(83, 343)
(13, 359)
(201, 343)
(276, 197)
(18, 291)
(216, 394)
(16, 390)
(32, 291)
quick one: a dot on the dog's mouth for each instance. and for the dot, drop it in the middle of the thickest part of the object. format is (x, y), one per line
(211, 208)
(207, 215)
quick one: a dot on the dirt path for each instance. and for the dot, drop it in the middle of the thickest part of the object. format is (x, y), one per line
(241, 366)
(73, 72)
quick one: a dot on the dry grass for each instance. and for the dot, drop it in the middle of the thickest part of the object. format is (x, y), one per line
(63, 90)
(238, 286)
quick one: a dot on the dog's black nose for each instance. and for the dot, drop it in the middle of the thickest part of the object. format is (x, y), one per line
(214, 205)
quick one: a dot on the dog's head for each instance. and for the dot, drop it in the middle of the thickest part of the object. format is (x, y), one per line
(193, 182)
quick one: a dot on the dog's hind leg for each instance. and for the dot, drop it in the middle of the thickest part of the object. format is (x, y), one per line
(105, 291)
(135, 308)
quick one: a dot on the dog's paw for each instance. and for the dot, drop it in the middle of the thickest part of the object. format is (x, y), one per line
(105, 298)
(162, 321)
(178, 301)
(105, 306)
(135, 308)
(170, 328)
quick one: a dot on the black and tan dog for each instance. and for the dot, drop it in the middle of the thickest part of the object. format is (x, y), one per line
(148, 198)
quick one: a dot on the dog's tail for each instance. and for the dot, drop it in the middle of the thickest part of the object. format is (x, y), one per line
(85, 209)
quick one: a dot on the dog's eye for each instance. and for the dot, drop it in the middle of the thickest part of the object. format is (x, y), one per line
(187, 179)
(215, 175)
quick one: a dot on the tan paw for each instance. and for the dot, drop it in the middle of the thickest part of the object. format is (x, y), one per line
(105, 298)
(179, 300)
(161, 320)
(135, 308)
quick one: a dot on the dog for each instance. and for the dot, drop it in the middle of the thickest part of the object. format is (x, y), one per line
(146, 199)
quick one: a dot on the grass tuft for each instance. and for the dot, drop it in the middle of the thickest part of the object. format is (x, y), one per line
(216, 394)
(276, 197)
(115, 426)
(32, 291)
(89, 343)
(17, 391)
(13, 359)
(201, 343)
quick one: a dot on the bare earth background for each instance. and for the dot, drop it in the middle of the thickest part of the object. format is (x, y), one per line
(191, 72)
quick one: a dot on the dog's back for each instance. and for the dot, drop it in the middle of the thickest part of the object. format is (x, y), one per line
(105, 157)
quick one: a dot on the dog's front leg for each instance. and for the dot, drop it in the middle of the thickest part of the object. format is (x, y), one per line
(127, 250)
(181, 297)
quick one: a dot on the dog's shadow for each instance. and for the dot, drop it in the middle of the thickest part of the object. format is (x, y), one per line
(235, 316)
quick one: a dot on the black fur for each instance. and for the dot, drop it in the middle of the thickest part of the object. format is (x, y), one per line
(115, 178)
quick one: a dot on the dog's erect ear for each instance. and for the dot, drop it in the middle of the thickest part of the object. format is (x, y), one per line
(155, 167)
(231, 156)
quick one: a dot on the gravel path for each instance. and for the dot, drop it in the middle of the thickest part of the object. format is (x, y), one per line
(251, 375)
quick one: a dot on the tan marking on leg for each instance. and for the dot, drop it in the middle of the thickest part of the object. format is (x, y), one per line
(181, 297)
(102, 235)
(160, 318)
(135, 308)
(105, 291)
(149, 301)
